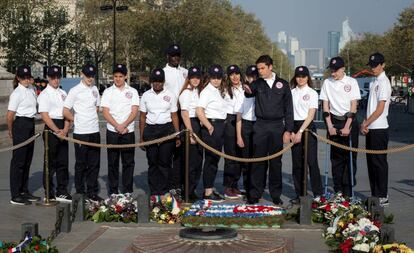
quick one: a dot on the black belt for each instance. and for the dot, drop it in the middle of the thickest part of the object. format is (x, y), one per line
(216, 120)
(229, 115)
(24, 118)
(246, 120)
(339, 117)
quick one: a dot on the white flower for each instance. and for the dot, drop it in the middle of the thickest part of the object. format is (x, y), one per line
(331, 230)
(103, 208)
(162, 216)
(156, 210)
(175, 211)
(364, 247)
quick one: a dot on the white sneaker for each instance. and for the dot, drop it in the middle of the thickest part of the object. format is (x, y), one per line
(64, 198)
(384, 202)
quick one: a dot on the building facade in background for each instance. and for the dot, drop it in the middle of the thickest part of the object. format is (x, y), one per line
(333, 44)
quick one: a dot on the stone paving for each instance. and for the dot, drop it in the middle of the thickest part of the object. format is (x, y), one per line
(110, 237)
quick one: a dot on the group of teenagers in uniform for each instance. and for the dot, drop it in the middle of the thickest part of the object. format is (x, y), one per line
(248, 115)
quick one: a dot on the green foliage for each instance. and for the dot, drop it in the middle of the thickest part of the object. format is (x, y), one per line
(37, 245)
(257, 222)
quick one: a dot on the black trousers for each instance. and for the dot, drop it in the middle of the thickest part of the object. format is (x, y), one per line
(159, 157)
(340, 158)
(22, 129)
(312, 159)
(58, 161)
(232, 169)
(247, 152)
(196, 158)
(127, 159)
(87, 164)
(267, 139)
(211, 160)
(377, 139)
(176, 174)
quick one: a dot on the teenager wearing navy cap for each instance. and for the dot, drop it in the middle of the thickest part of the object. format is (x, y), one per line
(158, 118)
(20, 123)
(305, 105)
(375, 127)
(234, 97)
(211, 111)
(84, 101)
(246, 119)
(51, 102)
(340, 95)
(120, 104)
(274, 125)
(189, 96)
(175, 76)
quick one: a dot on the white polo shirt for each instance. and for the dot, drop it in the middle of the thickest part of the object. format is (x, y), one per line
(84, 100)
(189, 100)
(23, 101)
(234, 103)
(174, 79)
(51, 100)
(120, 102)
(379, 90)
(158, 106)
(213, 103)
(340, 93)
(246, 109)
(304, 99)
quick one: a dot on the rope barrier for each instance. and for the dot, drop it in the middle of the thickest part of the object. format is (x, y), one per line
(132, 145)
(31, 139)
(238, 159)
(362, 150)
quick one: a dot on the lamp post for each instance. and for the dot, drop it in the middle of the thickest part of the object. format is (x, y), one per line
(114, 8)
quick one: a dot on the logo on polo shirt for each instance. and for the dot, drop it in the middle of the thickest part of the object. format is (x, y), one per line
(347, 88)
(95, 93)
(376, 88)
(63, 97)
(167, 98)
(128, 94)
(306, 97)
(279, 85)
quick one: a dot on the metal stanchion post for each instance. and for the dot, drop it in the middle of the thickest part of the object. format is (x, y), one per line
(351, 167)
(305, 164)
(305, 200)
(187, 164)
(47, 201)
(326, 167)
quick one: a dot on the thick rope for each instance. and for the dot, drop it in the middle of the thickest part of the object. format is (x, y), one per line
(238, 159)
(362, 150)
(31, 139)
(132, 145)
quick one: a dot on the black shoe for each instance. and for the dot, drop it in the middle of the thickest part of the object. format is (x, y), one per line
(95, 198)
(19, 200)
(64, 197)
(295, 201)
(30, 197)
(277, 201)
(252, 201)
(215, 197)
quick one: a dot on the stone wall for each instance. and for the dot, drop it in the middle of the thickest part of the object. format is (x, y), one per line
(6, 88)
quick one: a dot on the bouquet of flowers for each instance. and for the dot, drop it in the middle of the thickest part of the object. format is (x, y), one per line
(30, 244)
(392, 248)
(325, 209)
(166, 209)
(118, 207)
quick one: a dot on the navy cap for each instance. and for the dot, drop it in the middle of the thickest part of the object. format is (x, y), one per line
(120, 68)
(233, 69)
(252, 71)
(24, 71)
(194, 72)
(173, 49)
(215, 70)
(89, 70)
(375, 59)
(54, 70)
(301, 71)
(336, 63)
(157, 75)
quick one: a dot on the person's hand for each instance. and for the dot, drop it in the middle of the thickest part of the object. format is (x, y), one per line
(210, 130)
(192, 140)
(60, 132)
(297, 138)
(120, 128)
(10, 133)
(125, 131)
(177, 142)
(240, 142)
(345, 131)
(286, 137)
(65, 131)
(332, 131)
(247, 89)
(364, 128)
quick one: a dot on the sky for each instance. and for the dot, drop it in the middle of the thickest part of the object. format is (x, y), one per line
(310, 20)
